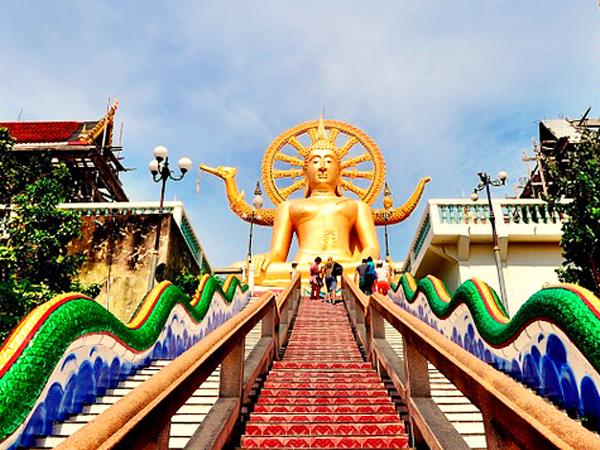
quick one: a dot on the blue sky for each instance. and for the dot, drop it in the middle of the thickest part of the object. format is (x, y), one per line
(446, 89)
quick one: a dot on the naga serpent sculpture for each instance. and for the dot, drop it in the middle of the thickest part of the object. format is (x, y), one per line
(292, 146)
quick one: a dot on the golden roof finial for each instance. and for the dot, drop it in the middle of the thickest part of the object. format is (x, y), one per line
(322, 140)
(84, 133)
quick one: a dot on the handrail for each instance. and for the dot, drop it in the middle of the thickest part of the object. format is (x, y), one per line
(287, 307)
(513, 415)
(356, 309)
(143, 418)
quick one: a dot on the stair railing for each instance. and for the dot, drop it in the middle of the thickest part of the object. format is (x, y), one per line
(143, 418)
(514, 416)
(356, 309)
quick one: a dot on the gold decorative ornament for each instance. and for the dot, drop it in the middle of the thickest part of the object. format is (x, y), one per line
(326, 223)
(288, 149)
(270, 175)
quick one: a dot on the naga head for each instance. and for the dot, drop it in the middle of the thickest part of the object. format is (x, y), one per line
(223, 172)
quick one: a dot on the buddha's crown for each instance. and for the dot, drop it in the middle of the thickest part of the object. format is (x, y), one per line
(322, 140)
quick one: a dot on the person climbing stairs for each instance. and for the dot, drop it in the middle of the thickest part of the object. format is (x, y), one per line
(322, 394)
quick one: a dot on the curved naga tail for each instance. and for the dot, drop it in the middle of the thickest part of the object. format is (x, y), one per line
(396, 215)
(262, 216)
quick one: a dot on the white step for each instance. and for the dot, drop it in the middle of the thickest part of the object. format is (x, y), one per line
(79, 418)
(465, 417)
(50, 441)
(461, 413)
(469, 428)
(192, 417)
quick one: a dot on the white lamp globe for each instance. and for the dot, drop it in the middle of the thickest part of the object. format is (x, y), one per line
(153, 167)
(474, 196)
(160, 152)
(502, 176)
(184, 164)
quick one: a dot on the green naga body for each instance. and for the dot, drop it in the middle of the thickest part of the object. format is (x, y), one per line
(551, 344)
(71, 349)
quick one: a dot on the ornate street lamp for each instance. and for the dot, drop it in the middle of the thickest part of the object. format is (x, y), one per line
(388, 202)
(486, 182)
(161, 173)
(257, 203)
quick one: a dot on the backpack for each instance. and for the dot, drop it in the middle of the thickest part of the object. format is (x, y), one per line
(338, 270)
(370, 273)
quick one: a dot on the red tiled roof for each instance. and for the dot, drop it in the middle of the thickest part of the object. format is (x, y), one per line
(32, 132)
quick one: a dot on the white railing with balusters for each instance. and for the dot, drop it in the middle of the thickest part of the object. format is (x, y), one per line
(514, 217)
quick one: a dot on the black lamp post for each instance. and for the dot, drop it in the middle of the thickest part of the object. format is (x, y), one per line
(485, 183)
(388, 202)
(161, 173)
(257, 203)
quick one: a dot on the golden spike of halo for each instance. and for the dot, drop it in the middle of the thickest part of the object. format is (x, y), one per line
(356, 160)
(344, 149)
(293, 161)
(353, 173)
(290, 173)
(333, 134)
(298, 146)
(352, 187)
(285, 193)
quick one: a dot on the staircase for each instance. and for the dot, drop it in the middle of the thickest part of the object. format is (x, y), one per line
(183, 424)
(460, 412)
(322, 394)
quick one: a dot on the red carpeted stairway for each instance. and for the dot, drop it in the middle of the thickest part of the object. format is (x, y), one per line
(322, 394)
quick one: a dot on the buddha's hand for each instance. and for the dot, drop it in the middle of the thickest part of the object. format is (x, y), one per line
(262, 262)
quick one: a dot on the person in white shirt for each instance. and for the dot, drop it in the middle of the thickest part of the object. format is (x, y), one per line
(383, 280)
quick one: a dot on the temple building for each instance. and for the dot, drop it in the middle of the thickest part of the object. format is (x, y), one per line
(86, 147)
(453, 240)
(555, 135)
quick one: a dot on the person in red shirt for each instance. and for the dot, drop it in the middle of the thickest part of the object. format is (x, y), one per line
(315, 279)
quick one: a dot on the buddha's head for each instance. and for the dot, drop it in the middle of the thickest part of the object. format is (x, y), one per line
(322, 167)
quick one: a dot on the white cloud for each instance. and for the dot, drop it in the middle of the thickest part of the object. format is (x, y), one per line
(445, 88)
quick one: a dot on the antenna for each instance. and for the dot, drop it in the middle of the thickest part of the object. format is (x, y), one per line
(121, 135)
(19, 115)
(585, 114)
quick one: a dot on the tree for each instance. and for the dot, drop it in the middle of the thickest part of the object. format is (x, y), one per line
(187, 281)
(35, 264)
(576, 173)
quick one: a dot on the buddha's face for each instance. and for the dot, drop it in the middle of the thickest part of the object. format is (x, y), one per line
(322, 170)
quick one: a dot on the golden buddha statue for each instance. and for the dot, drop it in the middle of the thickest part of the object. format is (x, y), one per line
(326, 223)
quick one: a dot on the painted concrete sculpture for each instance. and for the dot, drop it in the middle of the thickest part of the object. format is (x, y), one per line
(552, 344)
(70, 350)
